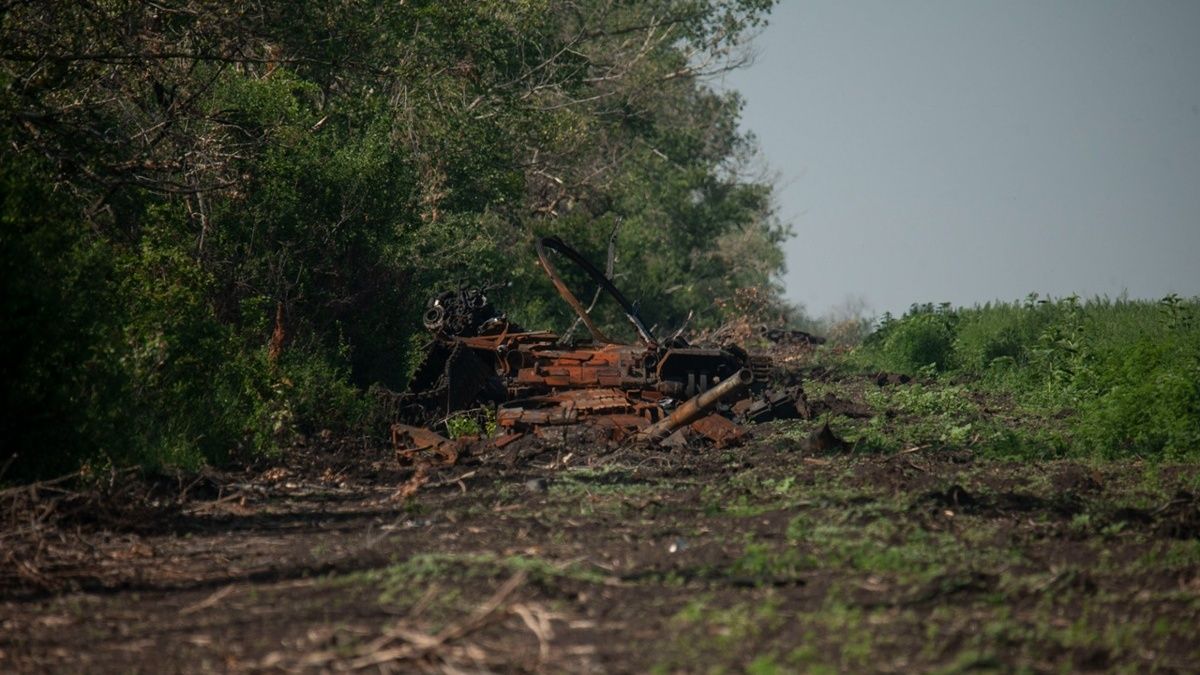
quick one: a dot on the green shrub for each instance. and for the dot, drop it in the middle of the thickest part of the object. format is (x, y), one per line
(998, 334)
(115, 355)
(1148, 399)
(921, 339)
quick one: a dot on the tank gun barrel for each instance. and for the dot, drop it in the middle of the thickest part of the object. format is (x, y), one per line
(699, 405)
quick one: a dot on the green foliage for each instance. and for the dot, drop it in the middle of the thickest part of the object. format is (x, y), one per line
(215, 251)
(923, 338)
(116, 356)
(1147, 398)
(472, 423)
(1126, 374)
(55, 327)
(998, 336)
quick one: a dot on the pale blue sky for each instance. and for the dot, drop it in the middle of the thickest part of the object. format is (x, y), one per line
(965, 151)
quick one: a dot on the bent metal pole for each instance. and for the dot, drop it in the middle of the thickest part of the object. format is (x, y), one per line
(697, 406)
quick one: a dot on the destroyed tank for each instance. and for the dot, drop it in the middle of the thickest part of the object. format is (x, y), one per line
(477, 357)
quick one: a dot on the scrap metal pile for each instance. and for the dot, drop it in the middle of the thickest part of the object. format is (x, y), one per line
(656, 391)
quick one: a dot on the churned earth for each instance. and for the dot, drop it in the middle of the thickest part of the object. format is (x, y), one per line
(906, 545)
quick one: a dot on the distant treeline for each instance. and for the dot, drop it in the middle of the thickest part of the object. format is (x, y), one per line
(222, 220)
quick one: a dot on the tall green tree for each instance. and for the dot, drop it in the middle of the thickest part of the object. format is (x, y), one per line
(219, 215)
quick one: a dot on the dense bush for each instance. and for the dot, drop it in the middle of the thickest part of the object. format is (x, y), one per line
(1143, 396)
(922, 339)
(1127, 372)
(998, 335)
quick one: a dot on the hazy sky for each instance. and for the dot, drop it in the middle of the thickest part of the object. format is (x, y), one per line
(965, 151)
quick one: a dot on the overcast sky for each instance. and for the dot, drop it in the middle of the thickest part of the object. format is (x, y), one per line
(965, 151)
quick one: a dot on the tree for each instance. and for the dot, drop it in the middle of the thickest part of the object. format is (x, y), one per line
(270, 190)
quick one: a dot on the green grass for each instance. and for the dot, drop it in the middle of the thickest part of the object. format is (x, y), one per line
(710, 633)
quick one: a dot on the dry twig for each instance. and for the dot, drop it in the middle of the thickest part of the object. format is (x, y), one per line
(445, 651)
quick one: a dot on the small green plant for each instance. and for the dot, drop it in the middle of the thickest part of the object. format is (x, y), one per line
(480, 422)
(798, 528)
(460, 425)
(1177, 313)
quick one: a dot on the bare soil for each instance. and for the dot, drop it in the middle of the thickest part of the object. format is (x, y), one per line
(767, 557)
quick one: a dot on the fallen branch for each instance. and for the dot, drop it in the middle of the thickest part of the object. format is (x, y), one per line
(207, 602)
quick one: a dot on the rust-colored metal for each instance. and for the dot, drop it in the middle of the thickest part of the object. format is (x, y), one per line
(538, 386)
(700, 405)
(423, 450)
(612, 411)
(720, 430)
(552, 272)
(556, 244)
(415, 444)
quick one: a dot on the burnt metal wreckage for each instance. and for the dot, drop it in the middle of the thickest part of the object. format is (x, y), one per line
(653, 390)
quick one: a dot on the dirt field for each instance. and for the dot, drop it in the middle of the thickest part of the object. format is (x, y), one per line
(777, 556)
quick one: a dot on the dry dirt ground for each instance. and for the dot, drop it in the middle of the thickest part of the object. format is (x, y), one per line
(770, 557)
